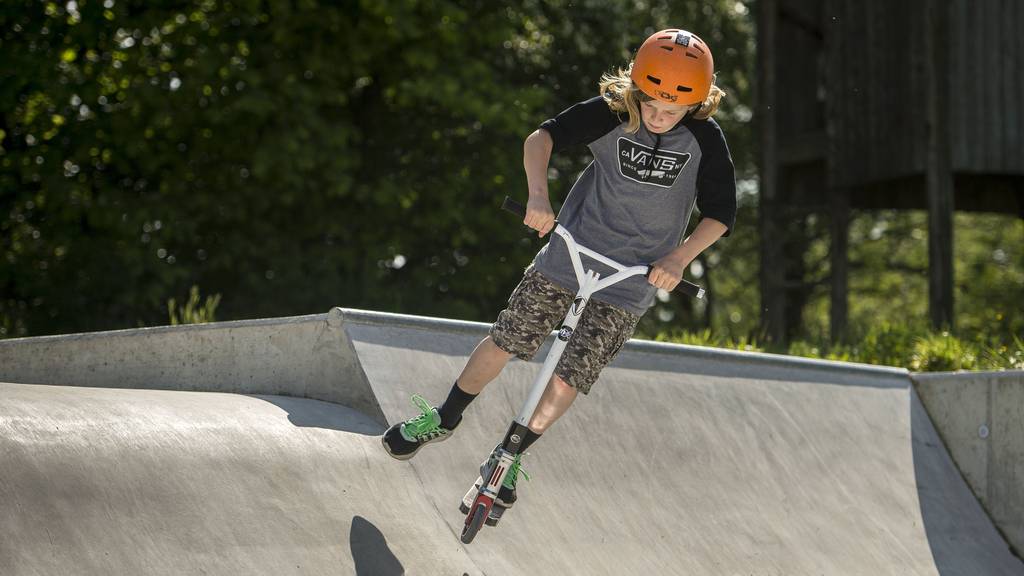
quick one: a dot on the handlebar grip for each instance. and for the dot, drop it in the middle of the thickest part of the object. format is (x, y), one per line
(684, 286)
(510, 205)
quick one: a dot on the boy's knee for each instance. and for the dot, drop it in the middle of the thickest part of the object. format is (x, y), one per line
(561, 387)
(494, 349)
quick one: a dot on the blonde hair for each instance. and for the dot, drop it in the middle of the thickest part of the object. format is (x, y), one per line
(622, 95)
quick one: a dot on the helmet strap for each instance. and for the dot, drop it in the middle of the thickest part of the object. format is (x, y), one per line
(692, 112)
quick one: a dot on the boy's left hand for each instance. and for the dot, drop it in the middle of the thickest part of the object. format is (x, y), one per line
(667, 272)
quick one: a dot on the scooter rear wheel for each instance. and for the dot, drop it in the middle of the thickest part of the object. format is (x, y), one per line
(474, 522)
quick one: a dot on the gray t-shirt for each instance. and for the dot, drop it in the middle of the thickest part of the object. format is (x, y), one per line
(633, 202)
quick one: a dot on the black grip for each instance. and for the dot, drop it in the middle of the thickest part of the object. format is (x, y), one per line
(684, 286)
(510, 205)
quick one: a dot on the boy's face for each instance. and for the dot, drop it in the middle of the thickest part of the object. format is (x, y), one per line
(661, 117)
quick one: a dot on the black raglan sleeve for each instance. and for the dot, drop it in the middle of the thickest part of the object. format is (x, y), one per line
(581, 123)
(716, 177)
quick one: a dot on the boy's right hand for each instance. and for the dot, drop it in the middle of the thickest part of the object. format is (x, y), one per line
(539, 215)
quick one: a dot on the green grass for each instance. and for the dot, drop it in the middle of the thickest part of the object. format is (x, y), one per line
(192, 311)
(887, 345)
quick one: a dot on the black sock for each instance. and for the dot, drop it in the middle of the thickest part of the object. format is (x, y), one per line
(531, 437)
(452, 409)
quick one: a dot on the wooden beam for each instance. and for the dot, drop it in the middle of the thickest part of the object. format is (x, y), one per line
(839, 310)
(773, 294)
(838, 196)
(804, 148)
(939, 171)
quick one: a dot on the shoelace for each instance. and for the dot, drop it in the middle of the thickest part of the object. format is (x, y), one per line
(422, 425)
(515, 470)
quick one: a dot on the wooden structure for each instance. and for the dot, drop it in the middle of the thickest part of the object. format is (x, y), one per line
(867, 104)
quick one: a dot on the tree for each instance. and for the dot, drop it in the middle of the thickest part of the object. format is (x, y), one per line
(292, 156)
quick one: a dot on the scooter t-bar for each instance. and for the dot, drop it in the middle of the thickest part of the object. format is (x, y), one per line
(684, 286)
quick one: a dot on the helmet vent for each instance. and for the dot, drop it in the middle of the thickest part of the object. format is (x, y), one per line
(697, 46)
(669, 48)
(653, 79)
(682, 88)
(692, 55)
(664, 37)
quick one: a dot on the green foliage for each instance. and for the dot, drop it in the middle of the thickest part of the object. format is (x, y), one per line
(1009, 356)
(942, 353)
(298, 156)
(295, 156)
(988, 266)
(708, 338)
(887, 344)
(192, 311)
(888, 278)
(916, 349)
(822, 349)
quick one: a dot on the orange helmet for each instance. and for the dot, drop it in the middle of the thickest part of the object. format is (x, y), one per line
(674, 66)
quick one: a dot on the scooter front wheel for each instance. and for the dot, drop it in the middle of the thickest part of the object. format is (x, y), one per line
(473, 523)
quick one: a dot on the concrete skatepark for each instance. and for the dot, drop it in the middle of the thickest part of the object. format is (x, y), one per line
(253, 447)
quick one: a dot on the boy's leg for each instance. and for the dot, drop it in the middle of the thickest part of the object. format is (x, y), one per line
(534, 308)
(557, 398)
(484, 365)
(599, 336)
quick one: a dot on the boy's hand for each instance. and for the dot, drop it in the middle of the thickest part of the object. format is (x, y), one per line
(539, 215)
(667, 272)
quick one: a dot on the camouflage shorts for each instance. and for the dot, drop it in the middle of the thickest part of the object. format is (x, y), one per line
(537, 306)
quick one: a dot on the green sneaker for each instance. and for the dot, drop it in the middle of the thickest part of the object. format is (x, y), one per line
(506, 496)
(512, 477)
(404, 439)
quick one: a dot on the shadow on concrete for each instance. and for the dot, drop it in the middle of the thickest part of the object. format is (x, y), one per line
(370, 551)
(306, 413)
(961, 536)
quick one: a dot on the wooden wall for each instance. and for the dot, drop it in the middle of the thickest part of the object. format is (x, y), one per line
(987, 85)
(876, 104)
(876, 91)
(877, 87)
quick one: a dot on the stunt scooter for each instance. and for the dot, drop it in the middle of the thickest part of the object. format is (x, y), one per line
(589, 282)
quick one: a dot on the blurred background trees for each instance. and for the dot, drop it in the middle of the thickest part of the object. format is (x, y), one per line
(293, 156)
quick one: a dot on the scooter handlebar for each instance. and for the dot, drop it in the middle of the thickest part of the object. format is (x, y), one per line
(510, 205)
(684, 286)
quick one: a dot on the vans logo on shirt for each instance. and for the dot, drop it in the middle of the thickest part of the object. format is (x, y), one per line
(636, 163)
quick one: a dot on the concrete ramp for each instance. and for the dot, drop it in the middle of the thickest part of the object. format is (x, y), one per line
(695, 461)
(681, 461)
(128, 482)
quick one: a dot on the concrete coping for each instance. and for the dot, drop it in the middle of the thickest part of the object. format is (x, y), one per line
(718, 355)
(153, 330)
(959, 374)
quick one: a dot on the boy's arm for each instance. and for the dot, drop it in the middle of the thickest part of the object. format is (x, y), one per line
(581, 123)
(668, 271)
(536, 155)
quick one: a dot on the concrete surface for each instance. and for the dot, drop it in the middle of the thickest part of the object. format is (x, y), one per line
(681, 461)
(303, 356)
(142, 482)
(980, 417)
